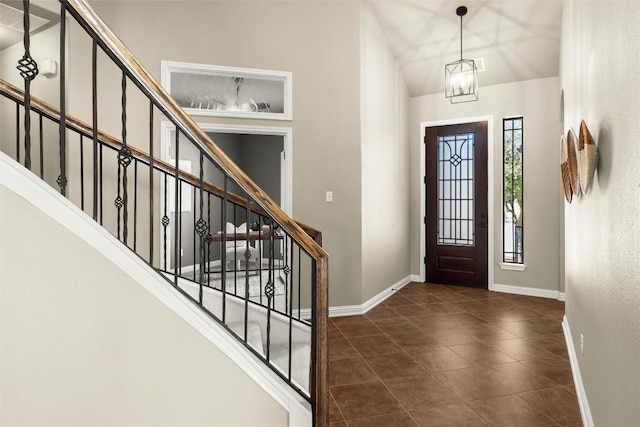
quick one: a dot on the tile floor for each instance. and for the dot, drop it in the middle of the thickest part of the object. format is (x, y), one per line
(435, 355)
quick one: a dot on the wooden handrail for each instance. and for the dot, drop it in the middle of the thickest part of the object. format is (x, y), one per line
(15, 93)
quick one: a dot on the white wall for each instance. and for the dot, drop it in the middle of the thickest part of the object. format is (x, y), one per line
(599, 65)
(538, 101)
(384, 107)
(83, 344)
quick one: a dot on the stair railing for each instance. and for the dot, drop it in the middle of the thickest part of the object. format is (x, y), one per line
(181, 224)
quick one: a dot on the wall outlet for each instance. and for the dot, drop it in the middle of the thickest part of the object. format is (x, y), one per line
(581, 344)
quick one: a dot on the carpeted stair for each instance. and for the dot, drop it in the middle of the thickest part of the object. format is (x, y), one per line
(279, 352)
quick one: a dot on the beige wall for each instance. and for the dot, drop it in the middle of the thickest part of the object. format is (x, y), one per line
(318, 42)
(385, 162)
(83, 344)
(600, 59)
(538, 101)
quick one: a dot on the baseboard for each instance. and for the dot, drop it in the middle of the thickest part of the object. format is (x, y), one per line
(585, 411)
(532, 292)
(355, 310)
(416, 278)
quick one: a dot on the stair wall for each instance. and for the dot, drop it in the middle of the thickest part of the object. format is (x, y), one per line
(82, 342)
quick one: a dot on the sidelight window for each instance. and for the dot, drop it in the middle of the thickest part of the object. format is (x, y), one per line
(513, 207)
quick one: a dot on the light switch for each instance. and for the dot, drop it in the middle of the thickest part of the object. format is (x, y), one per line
(329, 196)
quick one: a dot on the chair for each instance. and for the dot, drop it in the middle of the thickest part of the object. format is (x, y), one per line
(235, 249)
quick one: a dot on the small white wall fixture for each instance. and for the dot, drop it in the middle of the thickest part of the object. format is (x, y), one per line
(490, 195)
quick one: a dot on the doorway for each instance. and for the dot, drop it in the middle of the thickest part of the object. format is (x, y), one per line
(276, 181)
(456, 204)
(261, 157)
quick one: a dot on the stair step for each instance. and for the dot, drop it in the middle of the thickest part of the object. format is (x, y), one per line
(300, 361)
(254, 334)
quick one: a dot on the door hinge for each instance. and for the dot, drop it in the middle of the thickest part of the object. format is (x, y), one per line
(425, 179)
(425, 219)
(425, 260)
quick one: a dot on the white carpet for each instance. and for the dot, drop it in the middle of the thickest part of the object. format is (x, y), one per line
(235, 282)
(300, 361)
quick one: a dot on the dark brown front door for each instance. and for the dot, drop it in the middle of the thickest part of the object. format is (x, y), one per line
(456, 198)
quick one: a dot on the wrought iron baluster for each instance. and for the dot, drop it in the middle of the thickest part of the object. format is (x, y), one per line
(299, 282)
(247, 257)
(41, 137)
(202, 227)
(235, 253)
(288, 243)
(289, 295)
(124, 158)
(192, 188)
(94, 108)
(118, 201)
(269, 290)
(165, 221)
(135, 204)
(17, 132)
(179, 224)
(101, 193)
(151, 182)
(260, 255)
(268, 326)
(223, 248)
(81, 172)
(28, 71)
(209, 239)
(177, 214)
(62, 178)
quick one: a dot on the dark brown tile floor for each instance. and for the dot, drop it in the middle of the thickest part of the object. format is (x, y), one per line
(435, 355)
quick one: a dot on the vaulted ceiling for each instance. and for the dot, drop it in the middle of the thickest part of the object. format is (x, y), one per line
(516, 39)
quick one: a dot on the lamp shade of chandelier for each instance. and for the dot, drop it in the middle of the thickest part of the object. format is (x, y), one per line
(461, 77)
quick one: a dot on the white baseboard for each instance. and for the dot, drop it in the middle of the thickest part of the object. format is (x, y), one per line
(585, 411)
(416, 278)
(355, 310)
(532, 292)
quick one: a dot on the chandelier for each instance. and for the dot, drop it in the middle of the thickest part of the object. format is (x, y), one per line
(461, 77)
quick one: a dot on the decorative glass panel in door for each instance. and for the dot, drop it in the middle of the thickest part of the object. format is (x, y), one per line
(455, 190)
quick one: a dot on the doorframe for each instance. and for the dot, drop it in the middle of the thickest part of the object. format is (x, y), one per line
(490, 195)
(286, 164)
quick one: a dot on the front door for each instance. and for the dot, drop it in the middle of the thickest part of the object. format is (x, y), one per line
(457, 208)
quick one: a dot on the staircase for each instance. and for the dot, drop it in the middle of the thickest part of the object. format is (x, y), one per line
(258, 298)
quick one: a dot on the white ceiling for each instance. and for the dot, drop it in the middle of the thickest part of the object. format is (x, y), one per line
(11, 24)
(518, 39)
